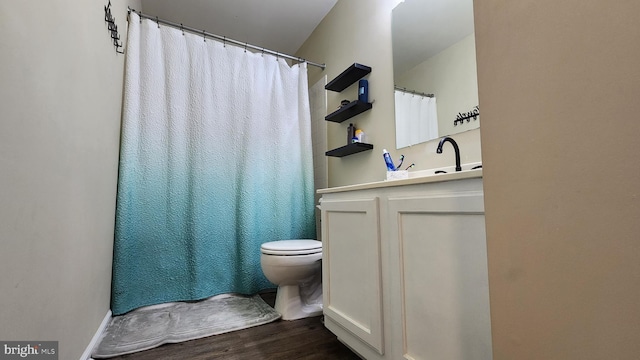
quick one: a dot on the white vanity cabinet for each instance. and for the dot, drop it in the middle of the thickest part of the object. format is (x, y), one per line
(352, 267)
(405, 268)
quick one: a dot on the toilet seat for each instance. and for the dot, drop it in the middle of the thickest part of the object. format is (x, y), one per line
(292, 247)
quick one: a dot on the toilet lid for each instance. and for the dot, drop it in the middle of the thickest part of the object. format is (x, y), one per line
(292, 247)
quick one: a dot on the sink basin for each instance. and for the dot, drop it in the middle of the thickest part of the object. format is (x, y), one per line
(443, 170)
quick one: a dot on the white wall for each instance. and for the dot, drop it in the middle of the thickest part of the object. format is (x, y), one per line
(60, 100)
(360, 31)
(318, 106)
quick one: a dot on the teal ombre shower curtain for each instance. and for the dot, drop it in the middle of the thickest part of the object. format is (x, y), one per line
(215, 160)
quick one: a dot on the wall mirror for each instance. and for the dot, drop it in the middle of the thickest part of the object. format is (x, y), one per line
(434, 69)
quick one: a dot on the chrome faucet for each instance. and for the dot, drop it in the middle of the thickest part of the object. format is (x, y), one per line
(455, 147)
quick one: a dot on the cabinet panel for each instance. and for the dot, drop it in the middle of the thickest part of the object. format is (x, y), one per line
(443, 302)
(352, 286)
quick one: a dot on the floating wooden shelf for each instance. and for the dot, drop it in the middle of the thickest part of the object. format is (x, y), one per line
(349, 149)
(353, 73)
(348, 111)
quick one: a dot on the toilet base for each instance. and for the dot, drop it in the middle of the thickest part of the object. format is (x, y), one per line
(290, 305)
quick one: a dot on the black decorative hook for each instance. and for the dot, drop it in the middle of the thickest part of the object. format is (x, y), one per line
(474, 113)
(112, 27)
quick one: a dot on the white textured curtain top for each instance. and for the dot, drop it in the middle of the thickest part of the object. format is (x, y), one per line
(416, 119)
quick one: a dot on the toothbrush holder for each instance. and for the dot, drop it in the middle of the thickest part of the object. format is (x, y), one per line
(397, 175)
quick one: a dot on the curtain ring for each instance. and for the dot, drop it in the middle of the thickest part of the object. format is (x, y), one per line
(262, 52)
(204, 36)
(245, 47)
(182, 29)
(158, 22)
(224, 41)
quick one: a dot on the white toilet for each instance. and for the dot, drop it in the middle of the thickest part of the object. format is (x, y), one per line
(296, 267)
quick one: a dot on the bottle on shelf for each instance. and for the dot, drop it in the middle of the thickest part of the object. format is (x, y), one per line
(351, 133)
(363, 90)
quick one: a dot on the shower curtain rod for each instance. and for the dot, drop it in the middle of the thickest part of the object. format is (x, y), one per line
(224, 38)
(413, 92)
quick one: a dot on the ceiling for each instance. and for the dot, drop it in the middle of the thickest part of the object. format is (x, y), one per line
(279, 25)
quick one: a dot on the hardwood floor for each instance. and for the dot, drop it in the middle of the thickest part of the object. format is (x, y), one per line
(304, 339)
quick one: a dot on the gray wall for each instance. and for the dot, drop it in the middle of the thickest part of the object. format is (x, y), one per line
(60, 101)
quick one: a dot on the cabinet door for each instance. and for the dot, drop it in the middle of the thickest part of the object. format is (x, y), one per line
(351, 268)
(443, 291)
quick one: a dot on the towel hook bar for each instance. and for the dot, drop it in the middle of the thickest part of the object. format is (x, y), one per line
(461, 117)
(112, 27)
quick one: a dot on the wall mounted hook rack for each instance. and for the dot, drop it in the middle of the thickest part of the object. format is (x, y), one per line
(461, 117)
(112, 27)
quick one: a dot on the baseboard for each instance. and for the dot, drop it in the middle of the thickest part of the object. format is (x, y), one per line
(86, 355)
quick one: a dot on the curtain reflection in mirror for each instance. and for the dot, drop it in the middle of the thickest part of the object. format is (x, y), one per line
(412, 109)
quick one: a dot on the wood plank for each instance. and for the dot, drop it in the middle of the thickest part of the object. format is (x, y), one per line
(305, 339)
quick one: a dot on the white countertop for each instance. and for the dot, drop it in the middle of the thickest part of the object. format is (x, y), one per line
(450, 176)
